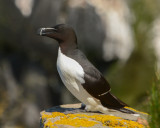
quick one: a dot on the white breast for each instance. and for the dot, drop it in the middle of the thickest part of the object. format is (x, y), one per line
(69, 70)
(72, 75)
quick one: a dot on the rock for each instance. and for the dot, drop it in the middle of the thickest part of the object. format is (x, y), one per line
(72, 116)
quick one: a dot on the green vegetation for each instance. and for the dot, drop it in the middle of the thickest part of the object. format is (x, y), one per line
(154, 108)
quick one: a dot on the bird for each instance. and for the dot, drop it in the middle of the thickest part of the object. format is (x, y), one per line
(79, 75)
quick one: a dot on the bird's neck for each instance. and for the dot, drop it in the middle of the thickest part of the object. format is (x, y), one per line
(68, 46)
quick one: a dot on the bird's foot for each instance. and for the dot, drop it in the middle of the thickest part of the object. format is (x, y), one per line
(83, 106)
(77, 110)
(92, 109)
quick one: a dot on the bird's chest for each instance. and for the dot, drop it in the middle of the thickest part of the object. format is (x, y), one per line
(70, 71)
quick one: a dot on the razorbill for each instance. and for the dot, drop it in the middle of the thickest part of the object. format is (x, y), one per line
(79, 75)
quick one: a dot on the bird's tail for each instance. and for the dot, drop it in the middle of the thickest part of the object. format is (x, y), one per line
(112, 102)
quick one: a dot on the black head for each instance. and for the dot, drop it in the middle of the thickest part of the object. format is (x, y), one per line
(63, 33)
(60, 32)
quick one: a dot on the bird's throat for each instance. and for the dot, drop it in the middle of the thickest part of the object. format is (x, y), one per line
(67, 47)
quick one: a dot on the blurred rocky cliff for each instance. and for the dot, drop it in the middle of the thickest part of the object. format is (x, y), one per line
(116, 37)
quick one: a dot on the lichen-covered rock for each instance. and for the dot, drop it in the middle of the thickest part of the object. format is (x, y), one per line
(71, 116)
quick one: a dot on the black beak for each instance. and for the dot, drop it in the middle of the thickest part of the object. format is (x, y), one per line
(45, 31)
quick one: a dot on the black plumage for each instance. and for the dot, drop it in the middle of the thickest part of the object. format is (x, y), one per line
(95, 83)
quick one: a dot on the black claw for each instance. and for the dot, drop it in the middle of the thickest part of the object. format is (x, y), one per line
(83, 106)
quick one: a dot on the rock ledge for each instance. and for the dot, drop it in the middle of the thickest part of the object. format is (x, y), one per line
(71, 116)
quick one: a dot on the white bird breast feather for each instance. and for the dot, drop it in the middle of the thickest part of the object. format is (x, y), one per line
(69, 70)
(72, 75)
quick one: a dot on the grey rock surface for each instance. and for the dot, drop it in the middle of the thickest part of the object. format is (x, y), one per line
(76, 109)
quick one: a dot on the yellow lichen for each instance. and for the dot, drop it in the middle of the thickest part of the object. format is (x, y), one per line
(77, 122)
(83, 120)
(69, 119)
(45, 116)
(136, 110)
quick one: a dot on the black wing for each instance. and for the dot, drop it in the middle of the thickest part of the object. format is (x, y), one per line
(95, 83)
